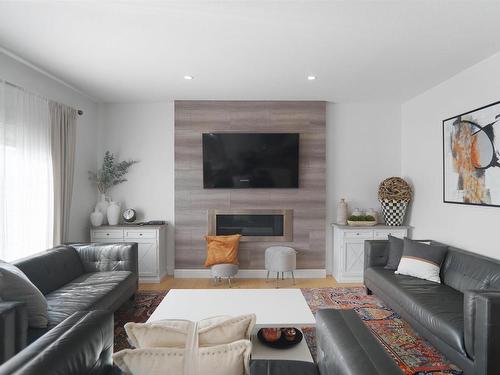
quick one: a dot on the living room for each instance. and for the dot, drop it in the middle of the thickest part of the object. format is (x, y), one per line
(290, 187)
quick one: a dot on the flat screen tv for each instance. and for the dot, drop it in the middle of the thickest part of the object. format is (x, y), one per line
(250, 160)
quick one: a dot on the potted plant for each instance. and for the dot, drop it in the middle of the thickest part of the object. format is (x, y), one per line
(111, 174)
(394, 194)
(361, 220)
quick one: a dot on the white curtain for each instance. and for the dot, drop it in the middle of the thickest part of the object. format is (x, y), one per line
(63, 125)
(26, 176)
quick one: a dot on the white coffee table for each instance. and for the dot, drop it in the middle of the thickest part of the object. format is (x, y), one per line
(272, 307)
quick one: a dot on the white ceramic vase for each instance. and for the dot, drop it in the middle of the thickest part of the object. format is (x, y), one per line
(342, 212)
(96, 218)
(102, 206)
(114, 213)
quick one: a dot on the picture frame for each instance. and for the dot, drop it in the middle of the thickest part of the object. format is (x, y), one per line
(471, 157)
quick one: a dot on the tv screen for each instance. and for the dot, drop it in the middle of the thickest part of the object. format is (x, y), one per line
(250, 160)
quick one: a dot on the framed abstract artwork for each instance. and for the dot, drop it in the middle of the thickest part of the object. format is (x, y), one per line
(471, 157)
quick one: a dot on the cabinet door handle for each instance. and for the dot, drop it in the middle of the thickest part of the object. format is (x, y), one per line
(140, 234)
(107, 234)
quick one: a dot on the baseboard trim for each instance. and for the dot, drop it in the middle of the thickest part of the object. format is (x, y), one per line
(249, 274)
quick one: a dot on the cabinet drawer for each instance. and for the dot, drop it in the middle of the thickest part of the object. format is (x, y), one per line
(138, 234)
(361, 234)
(383, 234)
(103, 234)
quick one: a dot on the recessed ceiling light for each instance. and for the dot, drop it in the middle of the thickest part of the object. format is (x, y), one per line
(189, 78)
(311, 78)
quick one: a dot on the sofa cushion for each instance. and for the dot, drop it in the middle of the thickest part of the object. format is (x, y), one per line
(465, 271)
(51, 269)
(437, 307)
(396, 246)
(15, 286)
(422, 260)
(90, 291)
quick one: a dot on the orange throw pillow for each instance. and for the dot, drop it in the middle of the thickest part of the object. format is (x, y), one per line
(222, 249)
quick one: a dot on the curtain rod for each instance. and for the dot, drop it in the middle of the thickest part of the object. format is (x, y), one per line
(79, 111)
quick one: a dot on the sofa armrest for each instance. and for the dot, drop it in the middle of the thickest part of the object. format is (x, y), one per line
(13, 328)
(108, 256)
(482, 329)
(376, 253)
(81, 344)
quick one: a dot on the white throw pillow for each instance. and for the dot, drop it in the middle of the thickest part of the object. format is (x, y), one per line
(422, 260)
(227, 359)
(173, 333)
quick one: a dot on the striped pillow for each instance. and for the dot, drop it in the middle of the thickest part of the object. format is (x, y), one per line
(422, 260)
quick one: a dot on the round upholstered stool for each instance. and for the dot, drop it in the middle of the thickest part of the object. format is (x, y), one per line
(224, 271)
(280, 259)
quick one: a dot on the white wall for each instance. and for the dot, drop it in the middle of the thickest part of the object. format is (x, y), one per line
(84, 195)
(363, 148)
(470, 227)
(144, 132)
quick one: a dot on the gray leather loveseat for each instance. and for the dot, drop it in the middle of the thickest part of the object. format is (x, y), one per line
(460, 317)
(75, 279)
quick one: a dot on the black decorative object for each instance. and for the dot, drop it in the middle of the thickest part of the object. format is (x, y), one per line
(283, 342)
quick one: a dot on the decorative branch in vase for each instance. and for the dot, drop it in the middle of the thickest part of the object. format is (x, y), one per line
(111, 174)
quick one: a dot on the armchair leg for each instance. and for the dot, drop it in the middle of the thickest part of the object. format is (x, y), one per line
(368, 292)
(293, 278)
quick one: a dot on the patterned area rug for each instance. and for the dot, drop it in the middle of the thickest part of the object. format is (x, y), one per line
(413, 353)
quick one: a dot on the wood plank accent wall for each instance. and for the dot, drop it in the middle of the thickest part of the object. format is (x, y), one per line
(192, 118)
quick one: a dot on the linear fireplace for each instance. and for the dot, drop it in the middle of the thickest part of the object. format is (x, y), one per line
(252, 224)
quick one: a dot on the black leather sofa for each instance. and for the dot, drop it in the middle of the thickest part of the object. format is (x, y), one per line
(460, 317)
(74, 279)
(83, 344)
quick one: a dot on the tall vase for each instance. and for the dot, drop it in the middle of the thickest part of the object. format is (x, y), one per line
(393, 211)
(113, 213)
(342, 212)
(102, 206)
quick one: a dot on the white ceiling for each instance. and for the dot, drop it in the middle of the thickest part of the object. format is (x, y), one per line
(359, 50)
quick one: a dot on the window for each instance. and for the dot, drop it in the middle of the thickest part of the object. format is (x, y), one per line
(26, 178)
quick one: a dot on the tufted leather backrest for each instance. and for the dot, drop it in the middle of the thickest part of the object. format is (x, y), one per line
(108, 256)
(463, 271)
(51, 269)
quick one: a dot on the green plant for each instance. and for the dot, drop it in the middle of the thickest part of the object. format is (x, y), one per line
(361, 218)
(112, 172)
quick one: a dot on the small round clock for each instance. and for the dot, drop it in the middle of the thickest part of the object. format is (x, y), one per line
(129, 215)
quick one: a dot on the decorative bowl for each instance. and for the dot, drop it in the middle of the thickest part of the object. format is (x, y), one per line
(282, 343)
(361, 223)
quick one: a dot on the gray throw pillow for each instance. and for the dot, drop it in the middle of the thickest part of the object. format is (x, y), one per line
(15, 286)
(422, 260)
(395, 252)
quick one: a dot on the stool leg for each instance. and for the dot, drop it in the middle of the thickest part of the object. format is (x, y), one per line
(277, 279)
(229, 281)
(282, 276)
(293, 278)
(267, 277)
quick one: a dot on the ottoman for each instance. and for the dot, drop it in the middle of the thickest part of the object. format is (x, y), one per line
(280, 259)
(224, 271)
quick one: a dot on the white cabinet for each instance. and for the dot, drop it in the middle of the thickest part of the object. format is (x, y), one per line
(349, 248)
(151, 242)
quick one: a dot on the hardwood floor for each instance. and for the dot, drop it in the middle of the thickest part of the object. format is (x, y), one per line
(177, 283)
